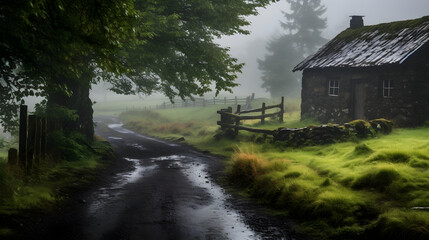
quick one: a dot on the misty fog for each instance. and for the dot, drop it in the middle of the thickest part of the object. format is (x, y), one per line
(248, 48)
(266, 25)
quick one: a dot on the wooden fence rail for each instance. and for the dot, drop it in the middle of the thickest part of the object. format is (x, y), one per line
(202, 102)
(229, 120)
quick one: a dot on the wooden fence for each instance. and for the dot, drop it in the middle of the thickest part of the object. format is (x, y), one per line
(202, 102)
(232, 120)
(32, 141)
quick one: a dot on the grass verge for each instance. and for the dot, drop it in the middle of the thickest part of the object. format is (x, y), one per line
(362, 189)
(49, 184)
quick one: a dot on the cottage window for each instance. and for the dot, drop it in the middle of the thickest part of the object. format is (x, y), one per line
(334, 87)
(387, 88)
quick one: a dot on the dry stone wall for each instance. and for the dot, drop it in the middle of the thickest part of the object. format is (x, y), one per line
(330, 133)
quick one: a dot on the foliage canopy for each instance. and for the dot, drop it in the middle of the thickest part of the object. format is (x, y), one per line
(56, 49)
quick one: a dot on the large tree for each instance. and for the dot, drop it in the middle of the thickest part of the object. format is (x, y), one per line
(57, 49)
(50, 48)
(303, 26)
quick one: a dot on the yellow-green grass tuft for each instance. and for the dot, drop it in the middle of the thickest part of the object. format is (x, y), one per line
(401, 224)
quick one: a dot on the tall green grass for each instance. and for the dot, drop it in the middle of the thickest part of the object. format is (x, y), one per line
(48, 182)
(363, 189)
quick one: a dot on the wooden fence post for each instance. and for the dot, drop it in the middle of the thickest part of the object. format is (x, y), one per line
(204, 102)
(238, 109)
(38, 140)
(43, 136)
(31, 141)
(226, 119)
(23, 135)
(237, 120)
(282, 109)
(224, 100)
(263, 114)
(163, 104)
(214, 100)
(12, 156)
(252, 97)
(236, 101)
(248, 103)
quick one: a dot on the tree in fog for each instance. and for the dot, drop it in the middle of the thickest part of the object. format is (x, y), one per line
(303, 26)
(277, 75)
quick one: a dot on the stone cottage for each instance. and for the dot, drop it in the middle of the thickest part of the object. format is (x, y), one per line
(369, 72)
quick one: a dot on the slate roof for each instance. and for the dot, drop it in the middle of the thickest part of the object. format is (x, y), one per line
(382, 44)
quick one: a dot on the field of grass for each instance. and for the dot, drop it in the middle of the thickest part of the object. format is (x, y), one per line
(362, 189)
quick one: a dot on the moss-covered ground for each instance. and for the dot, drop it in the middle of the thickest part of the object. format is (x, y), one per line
(361, 189)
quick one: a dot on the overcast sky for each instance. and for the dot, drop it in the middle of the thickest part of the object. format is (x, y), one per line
(247, 48)
(266, 25)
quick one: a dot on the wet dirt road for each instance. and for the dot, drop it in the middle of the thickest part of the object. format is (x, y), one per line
(160, 190)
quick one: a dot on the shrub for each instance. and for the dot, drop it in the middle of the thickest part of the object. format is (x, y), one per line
(71, 146)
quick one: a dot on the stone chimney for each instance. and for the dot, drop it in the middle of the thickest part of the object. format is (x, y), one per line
(356, 21)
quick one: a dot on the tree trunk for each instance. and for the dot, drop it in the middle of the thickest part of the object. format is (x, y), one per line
(77, 100)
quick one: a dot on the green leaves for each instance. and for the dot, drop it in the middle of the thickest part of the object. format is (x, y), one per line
(175, 53)
(140, 46)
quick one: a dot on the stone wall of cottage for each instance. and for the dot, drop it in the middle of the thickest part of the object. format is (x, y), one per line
(407, 106)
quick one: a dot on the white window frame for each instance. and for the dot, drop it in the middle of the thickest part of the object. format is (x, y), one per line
(334, 84)
(387, 88)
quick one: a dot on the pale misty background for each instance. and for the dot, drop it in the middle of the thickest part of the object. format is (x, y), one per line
(248, 48)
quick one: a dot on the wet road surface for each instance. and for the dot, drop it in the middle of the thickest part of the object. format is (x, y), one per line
(159, 190)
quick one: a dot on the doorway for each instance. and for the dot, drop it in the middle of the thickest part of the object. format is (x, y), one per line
(359, 100)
